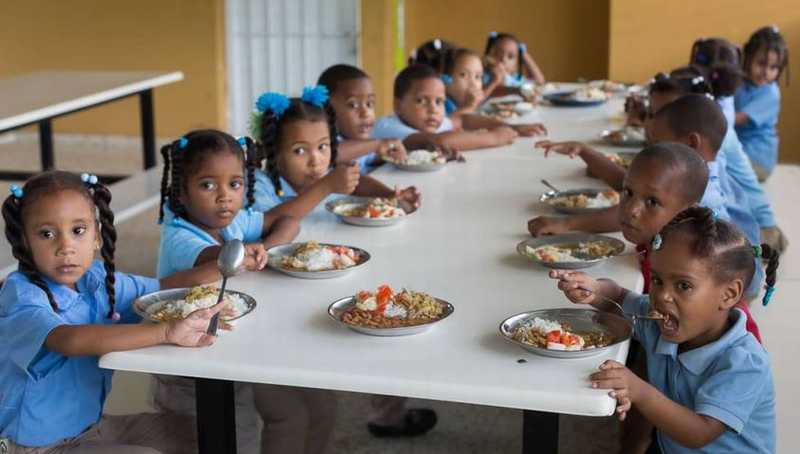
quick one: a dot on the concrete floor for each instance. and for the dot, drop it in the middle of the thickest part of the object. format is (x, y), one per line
(462, 428)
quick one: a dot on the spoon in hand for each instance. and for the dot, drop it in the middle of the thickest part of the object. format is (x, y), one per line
(230, 258)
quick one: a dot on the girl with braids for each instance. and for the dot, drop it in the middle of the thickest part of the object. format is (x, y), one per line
(298, 137)
(62, 309)
(510, 63)
(709, 385)
(758, 100)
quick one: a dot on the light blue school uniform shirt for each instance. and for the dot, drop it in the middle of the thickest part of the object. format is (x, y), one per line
(366, 163)
(267, 198)
(510, 80)
(392, 127)
(182, 242)
(714, 196)
(762, 104)
(45, 396)
(729, 380)
(741, 173)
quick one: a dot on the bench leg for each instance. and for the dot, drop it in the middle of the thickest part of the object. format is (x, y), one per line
(46, 145)
(539, 432)
(148, 128)
(216, 416)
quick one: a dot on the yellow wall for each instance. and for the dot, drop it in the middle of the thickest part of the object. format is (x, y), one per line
(185, 35)
(378, 38)
(648, 36)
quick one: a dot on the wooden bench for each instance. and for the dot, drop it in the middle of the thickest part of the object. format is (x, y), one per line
(131, 196)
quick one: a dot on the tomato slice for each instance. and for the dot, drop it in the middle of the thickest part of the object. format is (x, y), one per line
(554, 336)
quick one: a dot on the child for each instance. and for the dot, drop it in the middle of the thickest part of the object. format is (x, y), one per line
(709, 381)
(353, 100)
(431, 53)
(510, 62)
(202, 199)
(62, 309)
(420, 122)
(298, 137)
(758, 101)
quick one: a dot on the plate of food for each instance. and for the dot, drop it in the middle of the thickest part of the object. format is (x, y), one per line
(622, 158)
(386, 313)
(570, 250)
(313, 260)
(567, 332)
(629, 136)
(366, 211)
(577, 201)
(421, 161)
(609, 86)
(583, 97)
(178, 303)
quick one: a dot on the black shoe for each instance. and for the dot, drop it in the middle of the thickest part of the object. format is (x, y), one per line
(418, 421)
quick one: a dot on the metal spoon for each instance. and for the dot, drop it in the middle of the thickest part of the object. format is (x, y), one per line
(633, 317)
(230, 258)
(547, 183)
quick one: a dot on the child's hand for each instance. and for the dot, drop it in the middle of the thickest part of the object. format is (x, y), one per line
(409, 198)
(626, 387)
(575, 284)
(570, 149)
(191, 331)
(529, 130)
(636, 110)
(255, 257)
(505, 134)
(392, 149)
(344, 178)
(548, 225)
(473, 98)
(498, 72)
(443, 143)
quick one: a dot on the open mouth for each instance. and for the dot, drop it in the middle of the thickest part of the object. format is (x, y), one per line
(225, 213)
(669, 324)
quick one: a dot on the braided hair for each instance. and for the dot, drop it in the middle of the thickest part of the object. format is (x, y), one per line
(769, 39)
(185, 156)
(431, 53)
(731, 254)
(271, 127)
(495, 37)
(47, 183)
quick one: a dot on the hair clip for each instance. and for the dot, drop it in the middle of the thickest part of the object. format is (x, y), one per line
(242, 141)
(657, 242)
(274, 102)
(757, 251)
(709, 96)
(182, 142)
(115, 316)
(89, 179)
(698, 80)
(768, 295)
(774, 29)
(437, 44)
(523, 48)
(492, 34)
(316, 96)
(446, 78)
(16, 191)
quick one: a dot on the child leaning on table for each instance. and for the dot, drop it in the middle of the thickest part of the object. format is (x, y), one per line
(510, 63)
(709, 385)
(62, 309)
(207, 178)
(297, 139)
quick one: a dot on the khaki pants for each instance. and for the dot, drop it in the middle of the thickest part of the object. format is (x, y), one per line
(388, 410)
(145, 433)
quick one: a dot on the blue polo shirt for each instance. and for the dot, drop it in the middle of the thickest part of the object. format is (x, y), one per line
(762, 104)
(45, 396)
(267, 198)
(182, 242)
(740, 172)
(392, 127)
(729, 380)
(714, 196)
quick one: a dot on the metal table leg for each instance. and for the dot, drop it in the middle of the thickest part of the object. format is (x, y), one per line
(148, 128)
(539, 432)
(46, 145)
(216, 416)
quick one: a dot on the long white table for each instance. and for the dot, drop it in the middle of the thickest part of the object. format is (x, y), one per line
(460, 246)
(39, 97)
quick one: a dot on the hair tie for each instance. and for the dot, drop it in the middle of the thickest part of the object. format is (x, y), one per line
(714, 215)
(446, 78)
(89, 179)
(492, 34)
(316, 96)
(774, 28)
(274, 102)
(757, 251)
(16, 191)
(657, 242)
(709, 96)
(437, 44)
(242, 142)
(768, 295)
(182, 142)
(115, 316)
(698, 80)
(414, 54)
(523, 48)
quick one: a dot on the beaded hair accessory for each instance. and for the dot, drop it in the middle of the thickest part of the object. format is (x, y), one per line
(182, 142)
(492, 34)
(16, 191)
(89, 179)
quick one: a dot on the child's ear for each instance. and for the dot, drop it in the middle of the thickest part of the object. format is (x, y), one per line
(732, 294)
(695, 140)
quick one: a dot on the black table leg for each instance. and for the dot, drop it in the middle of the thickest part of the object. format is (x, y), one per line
(539, 432)
(148, 128)
(216, 417)
(46, 145)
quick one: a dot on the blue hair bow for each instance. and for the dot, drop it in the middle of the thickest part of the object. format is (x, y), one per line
(768, 295)
(88, 178)
(446, 78)
(523, 48)
(276, 103)
(16, 191)
(242, 141)
(182, 142)
(492, 34)
(316, 96)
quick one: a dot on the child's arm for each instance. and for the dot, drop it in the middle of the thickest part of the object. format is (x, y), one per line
(741, 119)
(278, 229)
(410, 199)
(350, 150)
(473, 122)
(596, 162)
(532, 69)
(462, 140)
(343, 179)
(601, 221)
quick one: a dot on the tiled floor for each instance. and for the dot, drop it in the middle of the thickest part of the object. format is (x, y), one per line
(462, 428)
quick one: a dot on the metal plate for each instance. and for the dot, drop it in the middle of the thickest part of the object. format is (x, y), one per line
(364, 222)
(564, 98)
(568, 239)
(340, 306)
(278, 252)
(549, 196)
(627, 140)
(141, 304)
(580, 320)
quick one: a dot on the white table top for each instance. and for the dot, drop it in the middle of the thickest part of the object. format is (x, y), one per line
(35, 96)
(460, 246)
